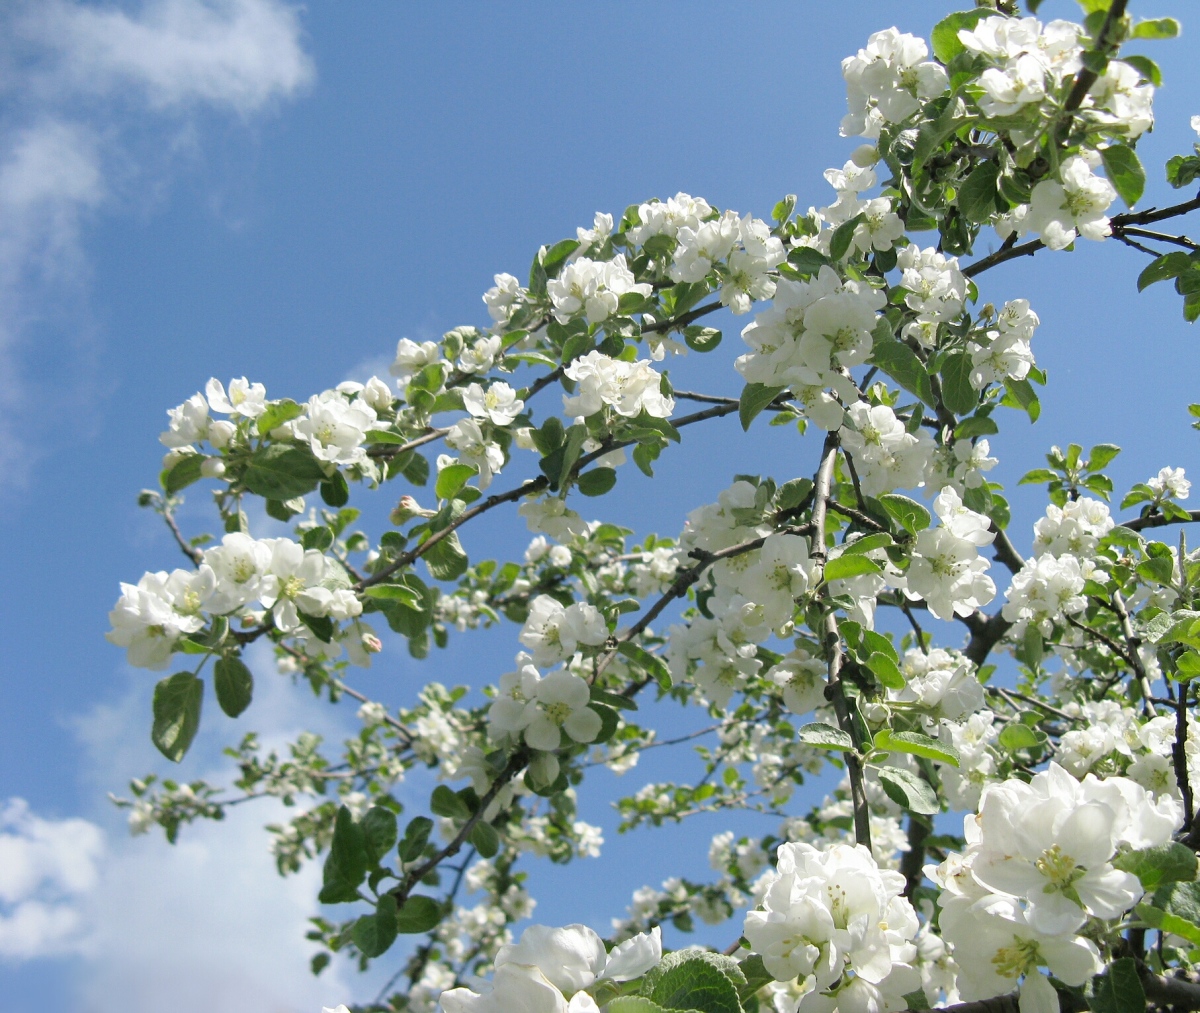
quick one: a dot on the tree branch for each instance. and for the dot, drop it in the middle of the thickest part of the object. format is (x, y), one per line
(835, 691)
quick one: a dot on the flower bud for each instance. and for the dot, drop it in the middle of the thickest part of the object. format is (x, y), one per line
(212, 467)
(220, 433)
(406, 510)
(865, 155)
(543, 770)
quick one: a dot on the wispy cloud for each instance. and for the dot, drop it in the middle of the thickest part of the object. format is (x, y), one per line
(130, 918)
(79, 82)
(46, 868)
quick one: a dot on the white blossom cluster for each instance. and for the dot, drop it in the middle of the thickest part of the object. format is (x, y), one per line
(839, 926)
(1050, 585)
(629, 388)
(741, 251)
(946, 571)
(334, 424)
(812, 332)
(1004, 351)
(888, 81)
(1037, 867)
(551, 969)
(276, 574)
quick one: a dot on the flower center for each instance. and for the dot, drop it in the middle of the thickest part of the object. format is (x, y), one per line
(558, 712)
(1019, 958)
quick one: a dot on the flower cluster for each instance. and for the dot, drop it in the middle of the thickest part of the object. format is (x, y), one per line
(947, 571)
(1050, 585)
(629, 388)
(1038, 866)
(838, 924)
(550, 970)
(812, 332)
(888, 81)
(276, 573)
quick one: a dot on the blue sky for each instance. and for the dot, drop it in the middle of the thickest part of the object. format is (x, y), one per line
(191, 188)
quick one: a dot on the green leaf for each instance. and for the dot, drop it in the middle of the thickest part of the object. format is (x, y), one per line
(277, 414)
(944, 37)
(633, 1004)
(839, 242)
(379, 833)
(976, 425)
(791, 494)
(321, 626)
(1155, 28)
(183, 473)
(346, 863)
(394, 592)
(485, 839)
(1015, 736)
(234, 685)
(977, 195)
(1102, 455)
(557, 255)
(1124, 172)
(335, 491)
(282, 472)
(419, 914)
(824, 736)
(1166, 922)
(416, 834)
(317, 538)
(446, 559)
(651, 665)
(701, 339)
(696, 985)
(908, 513)
(1166, 863)
(1119, 990)
(854, 565)
(756, 974)
(1169, 265)
(917, 744)
(907, 789)
(445, 802)
(177, 701)
(755, 397)
(957, 393)
(1022, 395)
(452, 478)
(1146, 67)
(612, 699)
(916, 999)
(375, 933)
(901, 363)
(879, 540)
(886, 670)
(596, 482)
(931, 135)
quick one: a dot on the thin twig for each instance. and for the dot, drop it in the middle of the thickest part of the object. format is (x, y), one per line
(189, 550)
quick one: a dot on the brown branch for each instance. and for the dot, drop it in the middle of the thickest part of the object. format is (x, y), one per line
(515, 764)
(529, 488)
(189, 550)
(1158, 521)
(1104, 42)
(683, 319)
(1006, 552)
(835, 691)
(1133, 657)
(390, 450)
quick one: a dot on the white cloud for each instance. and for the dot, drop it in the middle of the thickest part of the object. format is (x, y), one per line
(46, 869)
(210, 910)
(93, 95)
(240, 53)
